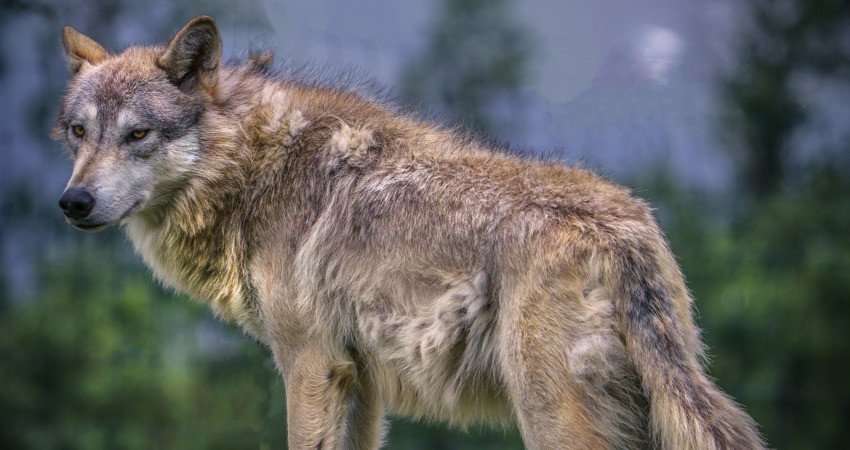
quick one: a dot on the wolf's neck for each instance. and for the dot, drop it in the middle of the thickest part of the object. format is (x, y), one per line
(196, 244)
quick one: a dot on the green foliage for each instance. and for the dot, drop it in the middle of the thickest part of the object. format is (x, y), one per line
(104, 359)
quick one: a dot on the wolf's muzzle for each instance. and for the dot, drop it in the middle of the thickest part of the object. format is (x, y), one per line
(76, 203)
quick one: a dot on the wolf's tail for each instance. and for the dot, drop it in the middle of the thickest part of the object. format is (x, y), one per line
(687, 410)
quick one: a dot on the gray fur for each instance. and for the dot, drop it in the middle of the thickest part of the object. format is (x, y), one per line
(391, 264)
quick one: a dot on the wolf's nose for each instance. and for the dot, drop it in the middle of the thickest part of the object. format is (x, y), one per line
(76, 203)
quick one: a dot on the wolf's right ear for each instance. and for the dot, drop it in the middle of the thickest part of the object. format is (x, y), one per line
(193, 55)
(80, 49)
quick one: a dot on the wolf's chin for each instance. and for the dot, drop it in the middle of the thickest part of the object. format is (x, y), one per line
(91, 227)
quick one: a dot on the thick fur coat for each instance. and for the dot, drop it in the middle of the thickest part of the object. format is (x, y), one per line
(388, 263)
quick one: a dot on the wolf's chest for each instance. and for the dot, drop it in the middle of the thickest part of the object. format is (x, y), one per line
(204, 269)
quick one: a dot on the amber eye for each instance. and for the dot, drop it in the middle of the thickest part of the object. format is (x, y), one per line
(79, 131)
(138, 134)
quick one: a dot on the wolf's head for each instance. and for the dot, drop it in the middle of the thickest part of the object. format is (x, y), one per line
(130, 121)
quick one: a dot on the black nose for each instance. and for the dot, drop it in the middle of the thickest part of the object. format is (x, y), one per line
(77, 203)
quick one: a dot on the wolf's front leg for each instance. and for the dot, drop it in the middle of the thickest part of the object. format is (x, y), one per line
(318, 388)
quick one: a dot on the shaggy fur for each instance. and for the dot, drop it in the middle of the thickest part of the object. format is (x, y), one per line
(389, 263)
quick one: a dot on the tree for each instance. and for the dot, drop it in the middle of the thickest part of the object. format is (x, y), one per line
(477, 58)
(783, 42)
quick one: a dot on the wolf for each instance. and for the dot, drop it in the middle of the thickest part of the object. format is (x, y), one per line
(390, 264)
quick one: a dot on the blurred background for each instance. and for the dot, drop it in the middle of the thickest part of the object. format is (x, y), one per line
(732, 117)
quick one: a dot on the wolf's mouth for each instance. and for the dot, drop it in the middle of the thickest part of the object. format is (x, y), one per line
(102, 225)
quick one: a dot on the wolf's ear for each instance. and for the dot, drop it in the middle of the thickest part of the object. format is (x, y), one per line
(81, 49)
(193, 55)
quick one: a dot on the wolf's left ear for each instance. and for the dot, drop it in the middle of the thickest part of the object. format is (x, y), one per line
(193, 55)
(81, 49)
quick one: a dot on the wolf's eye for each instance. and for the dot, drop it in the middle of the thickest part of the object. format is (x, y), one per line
(79, 131)
(138, 135)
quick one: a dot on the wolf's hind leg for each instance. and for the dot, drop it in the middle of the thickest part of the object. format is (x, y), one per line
(566, 372)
